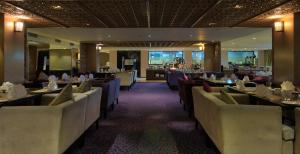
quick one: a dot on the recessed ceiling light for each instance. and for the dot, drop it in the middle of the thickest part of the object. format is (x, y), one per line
(238, 6)
(149, 35)
(254, 38)
(212, 24)
(109, 36)
(87, 24)
(56, 7)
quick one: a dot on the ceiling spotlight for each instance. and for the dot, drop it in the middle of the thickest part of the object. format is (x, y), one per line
(254, 38)
(57, 7)
(238, 6)
(99, 46)
(212, 24)
(87, 24)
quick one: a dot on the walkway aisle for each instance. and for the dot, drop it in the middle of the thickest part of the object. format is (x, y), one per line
(148, 119)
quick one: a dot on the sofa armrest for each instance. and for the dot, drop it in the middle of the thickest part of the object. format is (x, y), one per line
(251, 129)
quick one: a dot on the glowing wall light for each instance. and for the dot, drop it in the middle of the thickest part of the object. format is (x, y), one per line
(19, 26)
(279, 26)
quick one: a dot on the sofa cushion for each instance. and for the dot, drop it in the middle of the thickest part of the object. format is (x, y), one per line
(207, 87)
(83, 87)
(288, 133)
(65, 95)
(228, 99)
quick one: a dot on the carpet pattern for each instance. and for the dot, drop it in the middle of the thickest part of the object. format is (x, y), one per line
(147, 120)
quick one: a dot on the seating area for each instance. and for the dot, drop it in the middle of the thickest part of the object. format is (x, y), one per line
(51, 129)
(233, 128)
(149, 77)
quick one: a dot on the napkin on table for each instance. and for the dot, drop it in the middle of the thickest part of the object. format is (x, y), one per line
(287, 86)
(246, 79)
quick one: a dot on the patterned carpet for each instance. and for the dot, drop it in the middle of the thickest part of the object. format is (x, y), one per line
(148, 119)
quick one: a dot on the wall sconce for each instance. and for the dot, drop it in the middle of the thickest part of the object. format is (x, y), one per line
(279, 26)
(19, 26)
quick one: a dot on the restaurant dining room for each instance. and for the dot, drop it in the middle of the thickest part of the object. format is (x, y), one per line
(149, 76)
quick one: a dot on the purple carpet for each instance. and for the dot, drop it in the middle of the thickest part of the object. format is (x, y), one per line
(148, 119)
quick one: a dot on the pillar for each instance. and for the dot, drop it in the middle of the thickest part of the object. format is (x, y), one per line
(188, 57)
(212, 57)
(89, 60)
(12, 51)
(286, 51)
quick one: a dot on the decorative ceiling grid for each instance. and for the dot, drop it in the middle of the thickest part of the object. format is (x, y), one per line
(148, 13)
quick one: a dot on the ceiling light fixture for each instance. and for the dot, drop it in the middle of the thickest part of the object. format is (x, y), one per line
(99, 47)
(238, 6)
(201, 46)
(254, 38)
(57, 7)
(212, 24)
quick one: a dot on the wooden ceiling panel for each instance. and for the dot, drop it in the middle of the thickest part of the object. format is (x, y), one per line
(231, 12)
(150, 44)
(268, 18)
(149, 13)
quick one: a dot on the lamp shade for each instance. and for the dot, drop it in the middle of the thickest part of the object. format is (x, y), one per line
(19, 26)
(279, 26)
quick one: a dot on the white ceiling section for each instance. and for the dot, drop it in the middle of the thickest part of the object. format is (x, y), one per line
(240, 36)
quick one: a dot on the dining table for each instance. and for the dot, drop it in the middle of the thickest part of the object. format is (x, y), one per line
(272, 99)
(28, 100)
(228, 82)
(33, 98)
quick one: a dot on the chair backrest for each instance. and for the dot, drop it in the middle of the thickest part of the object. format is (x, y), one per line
(117, 85)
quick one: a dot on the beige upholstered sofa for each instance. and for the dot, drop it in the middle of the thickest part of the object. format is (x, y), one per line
(126, 78)
(92, 113)
(240, 128)
(47, 129)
